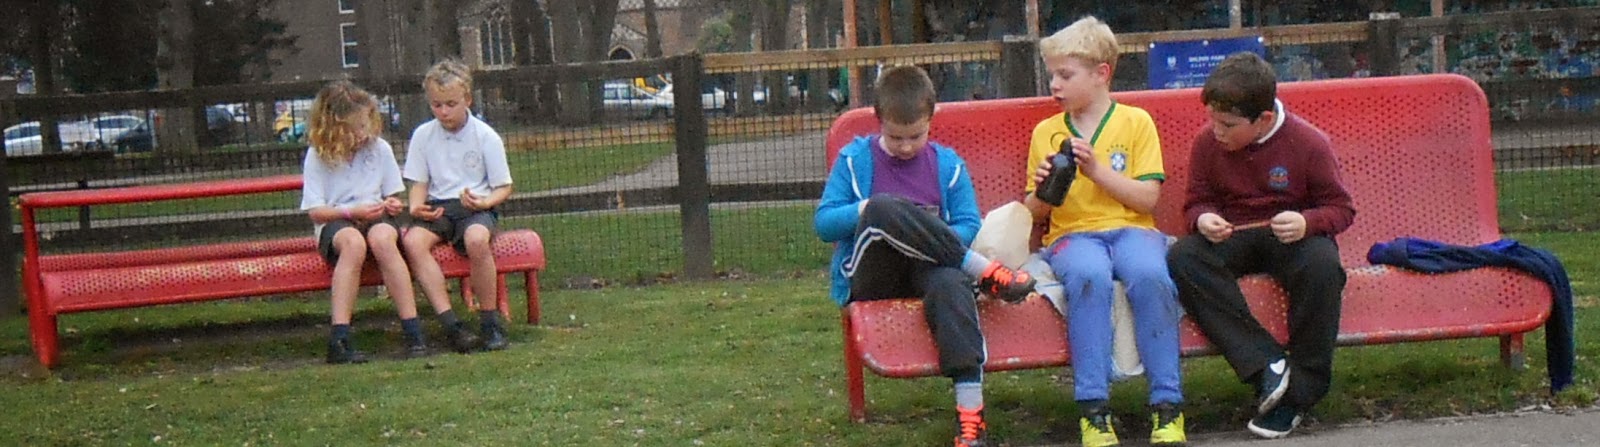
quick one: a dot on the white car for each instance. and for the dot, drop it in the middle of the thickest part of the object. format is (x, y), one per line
(628, 100)
(711, 99)
(111, 127)
(24, 139)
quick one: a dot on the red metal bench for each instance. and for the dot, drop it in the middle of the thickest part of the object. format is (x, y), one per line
(83, 282)
(1416, 156)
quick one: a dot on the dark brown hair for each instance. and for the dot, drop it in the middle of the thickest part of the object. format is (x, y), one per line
(1243, 85)
(904, 95)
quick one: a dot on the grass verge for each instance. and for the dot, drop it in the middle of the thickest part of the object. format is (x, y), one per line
(709, 363)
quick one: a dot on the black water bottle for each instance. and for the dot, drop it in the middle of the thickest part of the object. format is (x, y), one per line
(1063, 169)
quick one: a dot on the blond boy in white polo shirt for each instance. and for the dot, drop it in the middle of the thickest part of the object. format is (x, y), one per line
(457, 166)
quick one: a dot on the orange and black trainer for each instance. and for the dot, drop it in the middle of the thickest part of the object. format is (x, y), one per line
(1011, 286)
(971, 428)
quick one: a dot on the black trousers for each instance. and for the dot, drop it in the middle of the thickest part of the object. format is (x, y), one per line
(904, 251)
(1309, 272)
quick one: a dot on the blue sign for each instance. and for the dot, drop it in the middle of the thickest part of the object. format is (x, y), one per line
(1186, 64)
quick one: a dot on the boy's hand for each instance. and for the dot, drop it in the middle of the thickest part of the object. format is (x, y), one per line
(1084, 153)
(473, 202)
(366, 213)
(426, 212)
(1214, 227)
(1041, 172)
(1289, 226)
(393, 206)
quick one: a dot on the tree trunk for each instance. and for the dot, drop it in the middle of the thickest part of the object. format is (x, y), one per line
(744, 84)
(531, 26)
(46, 18)
(775, 37)
(818, 22)
(652, 31)
(177, 129)
(602, 18)
(446, 32)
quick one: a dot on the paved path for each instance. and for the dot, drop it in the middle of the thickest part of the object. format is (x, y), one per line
(1533, 428)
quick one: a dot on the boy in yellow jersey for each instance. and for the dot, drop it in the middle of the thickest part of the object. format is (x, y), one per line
(1104, 230)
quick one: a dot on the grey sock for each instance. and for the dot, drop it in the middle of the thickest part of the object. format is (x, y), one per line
(969, 395)
(974, 264)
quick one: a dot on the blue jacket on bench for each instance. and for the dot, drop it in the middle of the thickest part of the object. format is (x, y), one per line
(1436, 257)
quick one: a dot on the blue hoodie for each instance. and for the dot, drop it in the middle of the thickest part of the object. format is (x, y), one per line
(850, 182)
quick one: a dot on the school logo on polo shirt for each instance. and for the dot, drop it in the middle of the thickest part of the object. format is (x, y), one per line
(1119, 161)
(1278, 178)
(472, 159)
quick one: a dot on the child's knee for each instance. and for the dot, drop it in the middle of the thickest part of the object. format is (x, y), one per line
(476, 238)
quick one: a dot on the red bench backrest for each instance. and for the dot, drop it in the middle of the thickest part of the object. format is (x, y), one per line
(1415, 151)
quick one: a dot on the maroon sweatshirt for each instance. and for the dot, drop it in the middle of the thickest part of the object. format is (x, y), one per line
(1293, 170)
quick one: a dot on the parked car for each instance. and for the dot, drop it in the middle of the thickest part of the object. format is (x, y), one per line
(25, 138)
(623, 99)
(137, 139)
(711, 98)
(110, 127)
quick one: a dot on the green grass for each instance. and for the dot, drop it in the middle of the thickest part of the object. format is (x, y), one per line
(1543, 200)
(712, 363)
(647, 246)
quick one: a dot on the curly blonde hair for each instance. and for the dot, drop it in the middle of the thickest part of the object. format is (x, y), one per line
(332, 115)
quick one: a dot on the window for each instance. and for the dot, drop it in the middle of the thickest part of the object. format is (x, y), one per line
(347, 6)
(496, 41)
(347, 38)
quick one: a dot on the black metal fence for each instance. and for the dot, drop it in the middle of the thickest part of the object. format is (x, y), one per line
(641, 172)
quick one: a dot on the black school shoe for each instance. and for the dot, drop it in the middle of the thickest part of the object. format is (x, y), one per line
(1274, 382)
(494, 338)
(340, 352)
(416, 348)
(463, 340)
(1276, 423)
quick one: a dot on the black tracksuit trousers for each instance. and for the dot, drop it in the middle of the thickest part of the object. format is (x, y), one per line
(903, 251)
(1308, 270)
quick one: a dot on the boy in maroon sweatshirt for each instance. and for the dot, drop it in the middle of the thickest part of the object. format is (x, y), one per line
(1264, 197)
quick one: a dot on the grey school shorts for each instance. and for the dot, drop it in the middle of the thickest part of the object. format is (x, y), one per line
(325, 245)
(452, 226)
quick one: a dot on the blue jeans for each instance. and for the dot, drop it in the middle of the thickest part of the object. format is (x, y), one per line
(1087, 264)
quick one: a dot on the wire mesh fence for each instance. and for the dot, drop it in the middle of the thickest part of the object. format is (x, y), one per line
(643, 172)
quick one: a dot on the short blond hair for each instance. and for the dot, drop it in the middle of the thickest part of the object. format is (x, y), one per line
(447, 72)
(1088, 39)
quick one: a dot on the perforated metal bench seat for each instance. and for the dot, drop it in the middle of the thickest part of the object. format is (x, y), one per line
(91, 282)
(67, 283)
(1415, 154)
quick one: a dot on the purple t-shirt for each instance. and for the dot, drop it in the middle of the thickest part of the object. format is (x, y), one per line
(916, 179)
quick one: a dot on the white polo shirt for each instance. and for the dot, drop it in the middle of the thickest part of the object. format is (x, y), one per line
(472, 158)
(372, 175)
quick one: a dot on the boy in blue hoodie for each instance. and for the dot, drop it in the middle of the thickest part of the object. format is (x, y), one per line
(902, 211)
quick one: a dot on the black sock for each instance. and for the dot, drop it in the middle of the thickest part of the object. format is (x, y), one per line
(413, 329)
(1091, 407)
(488, 319)
(448, 320)
(341, 331)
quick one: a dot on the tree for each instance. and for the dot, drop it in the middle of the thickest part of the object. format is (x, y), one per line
(530, 24)
(586, 27)
(652, 31)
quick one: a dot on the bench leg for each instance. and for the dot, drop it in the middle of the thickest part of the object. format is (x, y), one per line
(532, 280)
(855, 381)
(467, 298)
(42, 329)
(503, 295)
(1511, 354)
